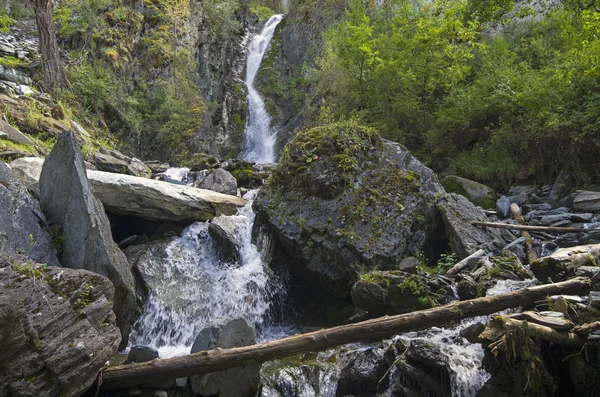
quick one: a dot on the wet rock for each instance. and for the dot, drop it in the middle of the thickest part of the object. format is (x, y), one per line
(362, 370)
(23, 226)
(56, 336)
(458, 214)
(376, 214)
(220, 181)
(68, 201)
(503, 207)
(141, 354)
(587, 201)
(223, 231)
(477, 193)
(467, 287)
(235, 382)
(138, 168)
(594, 298)
(472, 332)
(392, 292)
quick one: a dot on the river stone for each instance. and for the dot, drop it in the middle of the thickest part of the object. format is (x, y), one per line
(223, 231)
(335, 225)
(220, 181)
(23, 226)
(479, 194)
(235, 382)
(138, 168)
(361, 371)
(458, 213)
(587, 201)
(68, 200)
(503, 207)
(56, 336)
(146, 198)
(141, 354)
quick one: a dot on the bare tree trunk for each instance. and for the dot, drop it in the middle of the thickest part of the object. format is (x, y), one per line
(376, 329)
(516, 212)
(52, 68)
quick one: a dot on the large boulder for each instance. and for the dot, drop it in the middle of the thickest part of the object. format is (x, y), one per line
(23, 226)
(223, 231)
(146, 198)
(111, 161)
(587, 201)
(68, 200)
(235, 382)
(458, 213)
(477, 193)
(342, 201)
(220, 181)
(9, 132)
(57, 328)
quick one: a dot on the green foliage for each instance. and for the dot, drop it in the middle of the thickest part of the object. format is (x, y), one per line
(262, 12)
(5, 22)
(446, 262)
(12, 62)
(85, 297)
(487, 106)
(221, 17)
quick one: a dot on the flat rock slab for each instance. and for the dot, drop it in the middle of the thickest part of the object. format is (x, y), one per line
(146, 198)
(587, 201)
(157, 200)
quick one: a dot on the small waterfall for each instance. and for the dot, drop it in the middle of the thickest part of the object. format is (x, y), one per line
(260, 137)
(192, 287)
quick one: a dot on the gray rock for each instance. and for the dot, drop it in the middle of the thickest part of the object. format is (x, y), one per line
(522, 190)
(14, 76)
(552, 219)
(362, 370)
(477, 193)
(67, 200)
(111, 161)
(503, 207)
(562, 186)
(235, 382)
(138, 168)
(56, 336)
(594, 298)
(587, 201)
(14, 135)
(458, 213)
(587, 271)
(157, 167)
(7, 49)
(409, 265)
(223, 231)
(161, 393)
(149, 199)
(220, 181)
(23, 89)
(141, 354)
(23, 226)
(536, 207)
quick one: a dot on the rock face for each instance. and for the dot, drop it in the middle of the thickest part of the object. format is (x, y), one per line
(67, 200)
(342, 200)
(57, 335)
(146, 198)
(477, 193)
(458, 213)
(220, 181)
(23, 226)
(235, 382)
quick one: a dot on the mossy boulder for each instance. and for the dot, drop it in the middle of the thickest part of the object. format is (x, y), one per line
(342, 201)
(392, 292)
(477, 193)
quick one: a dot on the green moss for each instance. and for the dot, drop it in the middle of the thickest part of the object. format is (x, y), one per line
(6, 145)
(12, 62)
(262, 12)
(28, 270)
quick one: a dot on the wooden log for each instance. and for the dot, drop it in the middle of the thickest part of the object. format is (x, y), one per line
(500, 325)
(380, 328)
(460, 266)
(551, 229)
(587, 328)
(516, 212)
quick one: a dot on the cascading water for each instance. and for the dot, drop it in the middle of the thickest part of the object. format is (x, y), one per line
(260, 137)
(190, 287)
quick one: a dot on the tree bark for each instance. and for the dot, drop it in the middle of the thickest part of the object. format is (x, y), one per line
(52, 68)
(530, 228)
(376, 329)
(516, 212)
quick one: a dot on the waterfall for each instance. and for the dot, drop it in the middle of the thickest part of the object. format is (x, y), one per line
(191, 287)
(259, 136)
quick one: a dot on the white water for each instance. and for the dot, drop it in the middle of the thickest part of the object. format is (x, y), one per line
(191, 288)
(260, 137)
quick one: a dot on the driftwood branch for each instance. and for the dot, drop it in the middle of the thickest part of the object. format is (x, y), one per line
(460, 266)
(376, 329)
(586, 329)
(551, 229)
(516, 212)
(500, 325)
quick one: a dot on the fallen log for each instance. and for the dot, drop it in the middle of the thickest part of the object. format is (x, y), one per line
(516, 212)
(380, 328)
(460, 266)
(551, 229)
(587, 328)
(499, 325)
